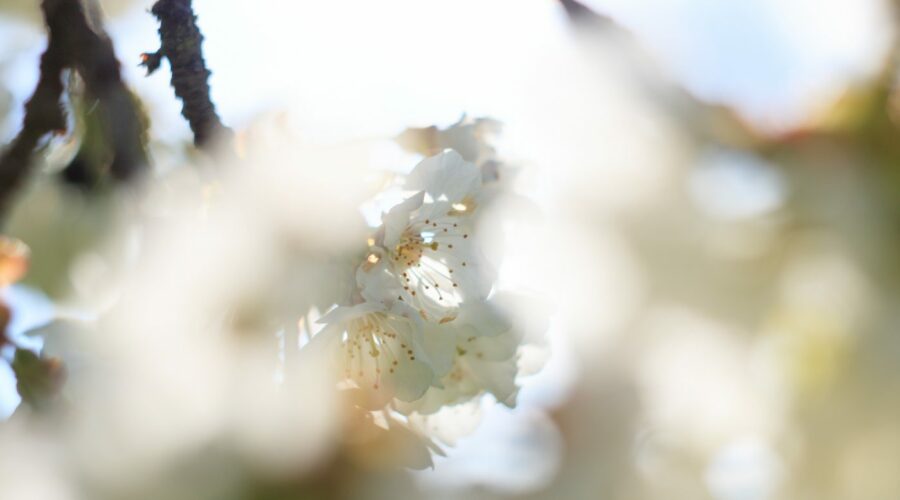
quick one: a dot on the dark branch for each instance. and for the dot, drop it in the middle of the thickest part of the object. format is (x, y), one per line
(73, 43)
(123, 127)
(181, 40)
(43, 115)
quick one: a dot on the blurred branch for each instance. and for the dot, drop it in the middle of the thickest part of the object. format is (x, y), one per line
(74, 43)
(704, 122)
(5, 317)
(43, 113)
(96, 62)
(39, 380)
(181, 44)
(582, 15)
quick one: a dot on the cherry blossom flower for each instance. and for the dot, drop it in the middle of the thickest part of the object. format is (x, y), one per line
(424, 253)
(378, 349)
(476, 353)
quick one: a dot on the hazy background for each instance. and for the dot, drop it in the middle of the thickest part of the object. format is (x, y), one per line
(679, 385)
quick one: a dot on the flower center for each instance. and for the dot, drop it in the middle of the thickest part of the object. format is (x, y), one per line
(372, 345)
(427, 259)
(411, 248)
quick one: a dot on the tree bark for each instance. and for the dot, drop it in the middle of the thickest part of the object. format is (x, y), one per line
(181, 44)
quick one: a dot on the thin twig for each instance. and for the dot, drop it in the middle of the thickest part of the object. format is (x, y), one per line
(181, 44)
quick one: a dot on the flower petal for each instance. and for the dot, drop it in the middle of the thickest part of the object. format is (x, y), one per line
(397, 218)
(446, 176)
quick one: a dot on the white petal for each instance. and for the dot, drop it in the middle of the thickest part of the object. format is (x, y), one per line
(485, 317)
(440, 344)
(531, 315)
(341, 314)
(377, 284)
(450, 423)
(446, 175)
(497, 348)
(397, 219)
(433, 400)
(324, 345)
(413, 335)
(497, 378)
(410, 379)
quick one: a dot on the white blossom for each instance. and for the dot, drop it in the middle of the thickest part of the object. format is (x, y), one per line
(482, 346)
(424, 253)
(378, 349)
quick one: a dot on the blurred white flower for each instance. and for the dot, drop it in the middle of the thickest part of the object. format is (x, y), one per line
(446, 177)
(468, 136)
(32, 465)
(189, 354)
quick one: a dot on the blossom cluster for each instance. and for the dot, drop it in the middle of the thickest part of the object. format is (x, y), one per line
(424, 328)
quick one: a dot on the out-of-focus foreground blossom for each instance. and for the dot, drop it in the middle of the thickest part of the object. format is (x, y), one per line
(203, 341)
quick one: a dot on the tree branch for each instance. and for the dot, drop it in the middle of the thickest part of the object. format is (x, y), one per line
(581, 15)
(73, 43)
(181, 44)
(95, 60)
(43, 114)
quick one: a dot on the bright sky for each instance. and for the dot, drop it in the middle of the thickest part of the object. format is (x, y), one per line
(358, 67)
